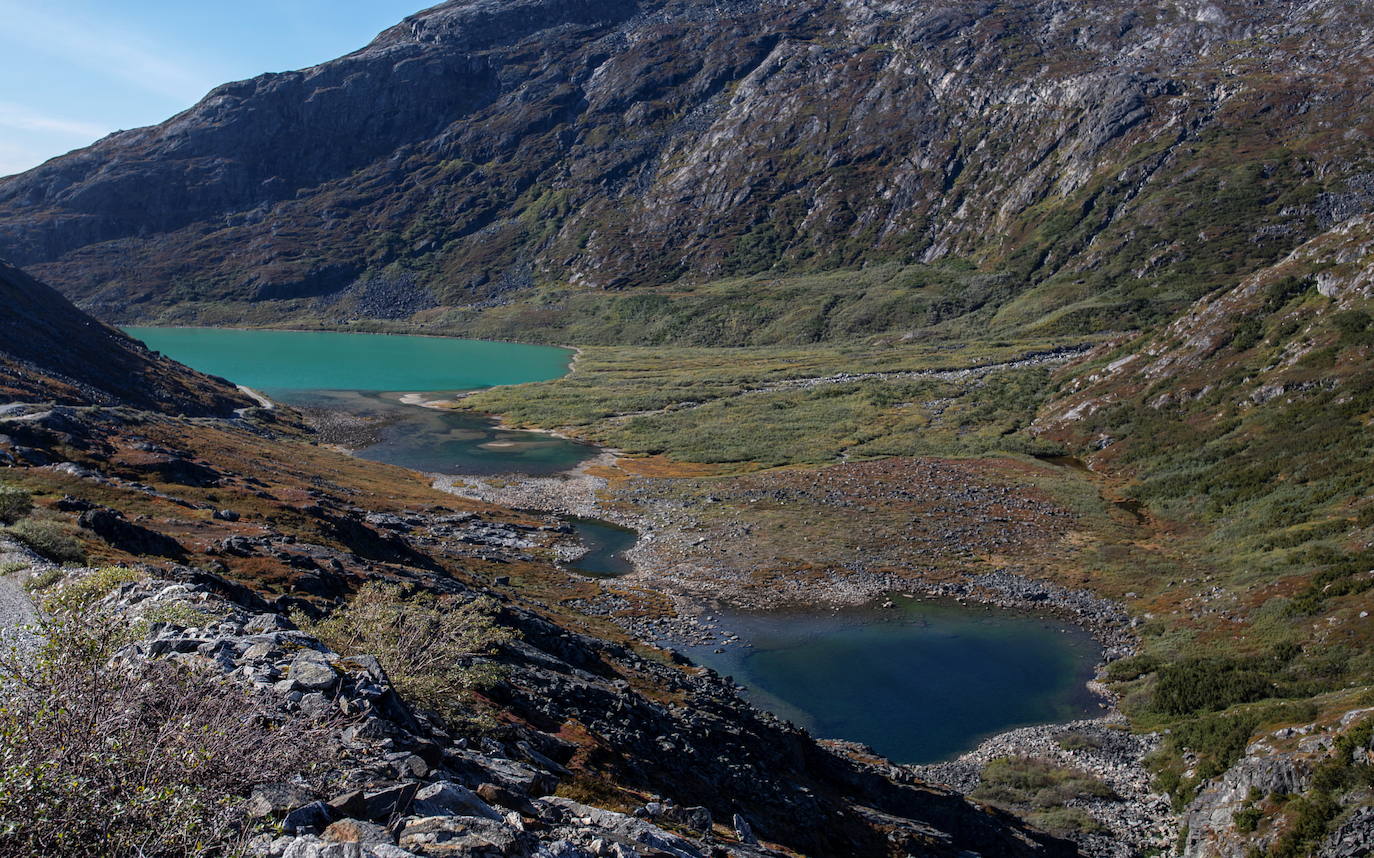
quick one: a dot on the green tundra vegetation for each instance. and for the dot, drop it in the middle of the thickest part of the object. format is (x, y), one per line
(752, 407)
(1043, 792)
(39, 531)
(429, 646)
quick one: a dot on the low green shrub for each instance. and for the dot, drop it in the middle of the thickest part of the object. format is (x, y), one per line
(1211, 684)
(1247, 819)
(1079, 741)
(143, 762)
(1067, 821)
(88, 589)
(52, 539)
(430, 646)
(1021, 782)
(43, 580)
(1218, 740)
(1309, 816)
(1041, 791)
(1132, 667)
(178, 614)
(15, 503)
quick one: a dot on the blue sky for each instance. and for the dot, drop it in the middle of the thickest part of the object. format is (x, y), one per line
(72, 71)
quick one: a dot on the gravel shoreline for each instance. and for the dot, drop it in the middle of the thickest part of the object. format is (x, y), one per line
(1141, 821)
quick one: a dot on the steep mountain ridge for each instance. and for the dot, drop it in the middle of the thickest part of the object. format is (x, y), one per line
(1110, 163)
(52, 352)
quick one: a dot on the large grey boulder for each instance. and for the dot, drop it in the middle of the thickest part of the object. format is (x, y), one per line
(311, 672)
(446, 798)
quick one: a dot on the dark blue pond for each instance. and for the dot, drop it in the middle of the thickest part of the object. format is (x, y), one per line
(919, 682)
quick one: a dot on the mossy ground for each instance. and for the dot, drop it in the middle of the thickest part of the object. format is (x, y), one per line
(723, 406)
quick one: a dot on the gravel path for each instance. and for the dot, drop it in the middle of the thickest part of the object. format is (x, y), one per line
(16, 611)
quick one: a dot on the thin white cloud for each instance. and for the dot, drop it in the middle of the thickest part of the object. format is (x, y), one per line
(123, 54)
(20, 118)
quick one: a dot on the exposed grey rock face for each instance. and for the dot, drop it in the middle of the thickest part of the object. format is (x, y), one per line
(1354, 839)
(1138, 819)
(1210, 818)
(480, 147)
(1280, 763)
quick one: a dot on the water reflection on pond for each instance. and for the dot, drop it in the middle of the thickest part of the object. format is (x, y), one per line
(919, 682)
(437, 441)
(606, 544)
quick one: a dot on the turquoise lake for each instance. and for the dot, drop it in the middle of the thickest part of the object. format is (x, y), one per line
(308, 360)
(919, 682)
(361, 375)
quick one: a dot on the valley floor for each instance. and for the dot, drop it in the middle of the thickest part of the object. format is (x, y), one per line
(818, 475)
(992, 530)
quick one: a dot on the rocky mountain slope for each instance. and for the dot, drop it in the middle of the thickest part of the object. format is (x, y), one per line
(1248, 418)
(1102, 163)
(51, 351)
(1191, 178)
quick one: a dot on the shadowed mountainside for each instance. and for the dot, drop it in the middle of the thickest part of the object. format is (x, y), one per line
(52, 352)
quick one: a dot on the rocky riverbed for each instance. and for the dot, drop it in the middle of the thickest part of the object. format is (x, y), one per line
(574, 493)
(344, 429)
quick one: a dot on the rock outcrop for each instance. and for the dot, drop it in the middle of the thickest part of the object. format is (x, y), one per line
(404, 785)
(1273, 769)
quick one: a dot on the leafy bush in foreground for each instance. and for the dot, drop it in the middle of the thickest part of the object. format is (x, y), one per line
(426, 644)
(121, 761)
(51, 539)
(77, 595)
(15, 503)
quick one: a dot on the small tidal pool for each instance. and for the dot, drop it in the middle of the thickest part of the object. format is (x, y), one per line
(919, 682)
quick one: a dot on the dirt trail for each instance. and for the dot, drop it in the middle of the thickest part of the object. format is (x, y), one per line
(16, 611)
